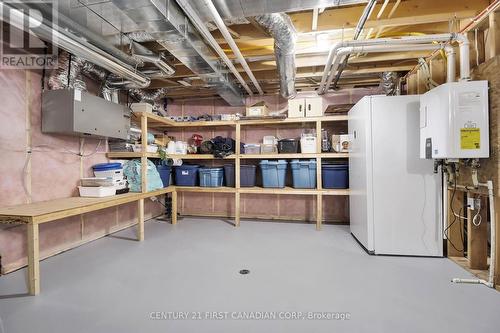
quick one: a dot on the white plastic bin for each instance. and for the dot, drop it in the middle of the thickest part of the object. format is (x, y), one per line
(97, 192)
(308, 144)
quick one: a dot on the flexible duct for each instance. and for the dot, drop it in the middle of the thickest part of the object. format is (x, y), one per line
(77, 46)
(152, 97)
(281, 28)
(389, 83)
(68, 73)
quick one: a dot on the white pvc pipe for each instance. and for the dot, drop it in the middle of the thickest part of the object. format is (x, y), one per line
(344, 51)
(464, 57)
(493, 237)
(450, 63)
(461, 38)
(229, 39)
(491, 273)
(200, 25)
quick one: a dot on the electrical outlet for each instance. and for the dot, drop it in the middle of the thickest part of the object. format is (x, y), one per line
(471, 203)
(477, 203)
(154, 199)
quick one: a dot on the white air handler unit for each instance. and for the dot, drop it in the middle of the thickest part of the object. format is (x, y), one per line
(394, 195)
(454, 121)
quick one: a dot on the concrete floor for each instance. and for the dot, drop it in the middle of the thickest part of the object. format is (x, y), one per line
(117, 285)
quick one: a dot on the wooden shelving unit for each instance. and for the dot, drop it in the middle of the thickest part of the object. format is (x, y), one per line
(148, 120)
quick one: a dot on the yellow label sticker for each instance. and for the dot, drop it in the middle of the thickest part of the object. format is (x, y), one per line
(470, 138)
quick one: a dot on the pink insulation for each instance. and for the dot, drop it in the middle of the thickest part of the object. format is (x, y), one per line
(54, 174)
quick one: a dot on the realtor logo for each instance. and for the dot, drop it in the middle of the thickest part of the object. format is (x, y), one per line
(27, 38)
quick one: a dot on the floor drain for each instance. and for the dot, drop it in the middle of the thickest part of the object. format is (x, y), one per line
(244, 271)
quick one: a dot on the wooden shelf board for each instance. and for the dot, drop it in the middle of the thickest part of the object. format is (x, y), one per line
(332, 192)
(222, 189)
(285, 190)
(124, 155)
(45, 211)
(155, 121)
(288, 156)
(292, 120)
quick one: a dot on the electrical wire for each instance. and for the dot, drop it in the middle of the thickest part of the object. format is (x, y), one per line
(445, 231)
(477, 219)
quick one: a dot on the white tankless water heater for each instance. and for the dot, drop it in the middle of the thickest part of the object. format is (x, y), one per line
(454, 121)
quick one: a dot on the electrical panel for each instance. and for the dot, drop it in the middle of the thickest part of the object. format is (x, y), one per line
(76, 112)
(454, 121)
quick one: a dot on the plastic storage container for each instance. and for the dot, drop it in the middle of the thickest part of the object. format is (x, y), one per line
(108, 170)
(268, 149)
(96, 192)
(164, 172)
(251, 149)
(247, 175)
(303, 173)
(186, 175)
(335, 175)
(308, 144)
(273, 173)
(288, 146)
(211, 177)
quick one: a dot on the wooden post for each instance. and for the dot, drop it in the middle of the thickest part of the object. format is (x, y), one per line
(454, 239)
(174, 207)
(494, 34)
(140, 217)
(144, 152)
(318, 159)
(237, 175)
(437, 66)
(319, 211)
(477, 237)
(497, 234)
(33, 259)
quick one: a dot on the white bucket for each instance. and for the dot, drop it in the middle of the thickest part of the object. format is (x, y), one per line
(308, 144)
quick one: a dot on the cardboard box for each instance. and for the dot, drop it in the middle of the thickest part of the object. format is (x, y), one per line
(257, 110)
(341, 143)
(141, 107)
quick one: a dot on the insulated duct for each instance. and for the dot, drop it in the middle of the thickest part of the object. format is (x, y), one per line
(281, 28)
(75, 45)
(152, 97)
(389, 82)
(68, 73)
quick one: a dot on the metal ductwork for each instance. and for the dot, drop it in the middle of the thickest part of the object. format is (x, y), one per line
(389, 82)
(236, 10)
(152, 97)
(281, 28)
(167, 24)
(76, 45)
(68, 73)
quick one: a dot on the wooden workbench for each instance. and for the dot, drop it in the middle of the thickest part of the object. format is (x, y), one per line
(34, 214)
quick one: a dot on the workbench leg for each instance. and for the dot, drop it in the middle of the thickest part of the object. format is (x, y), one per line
(237, 209)
(174, 207)
(140, 216)
(319, 211)
(33, 259)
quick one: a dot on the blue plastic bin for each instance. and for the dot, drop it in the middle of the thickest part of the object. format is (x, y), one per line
(247, 175)
(335, 175)
(303, 173)
(273, 173)
(186, 175)
(164, 172)
(211, 177)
